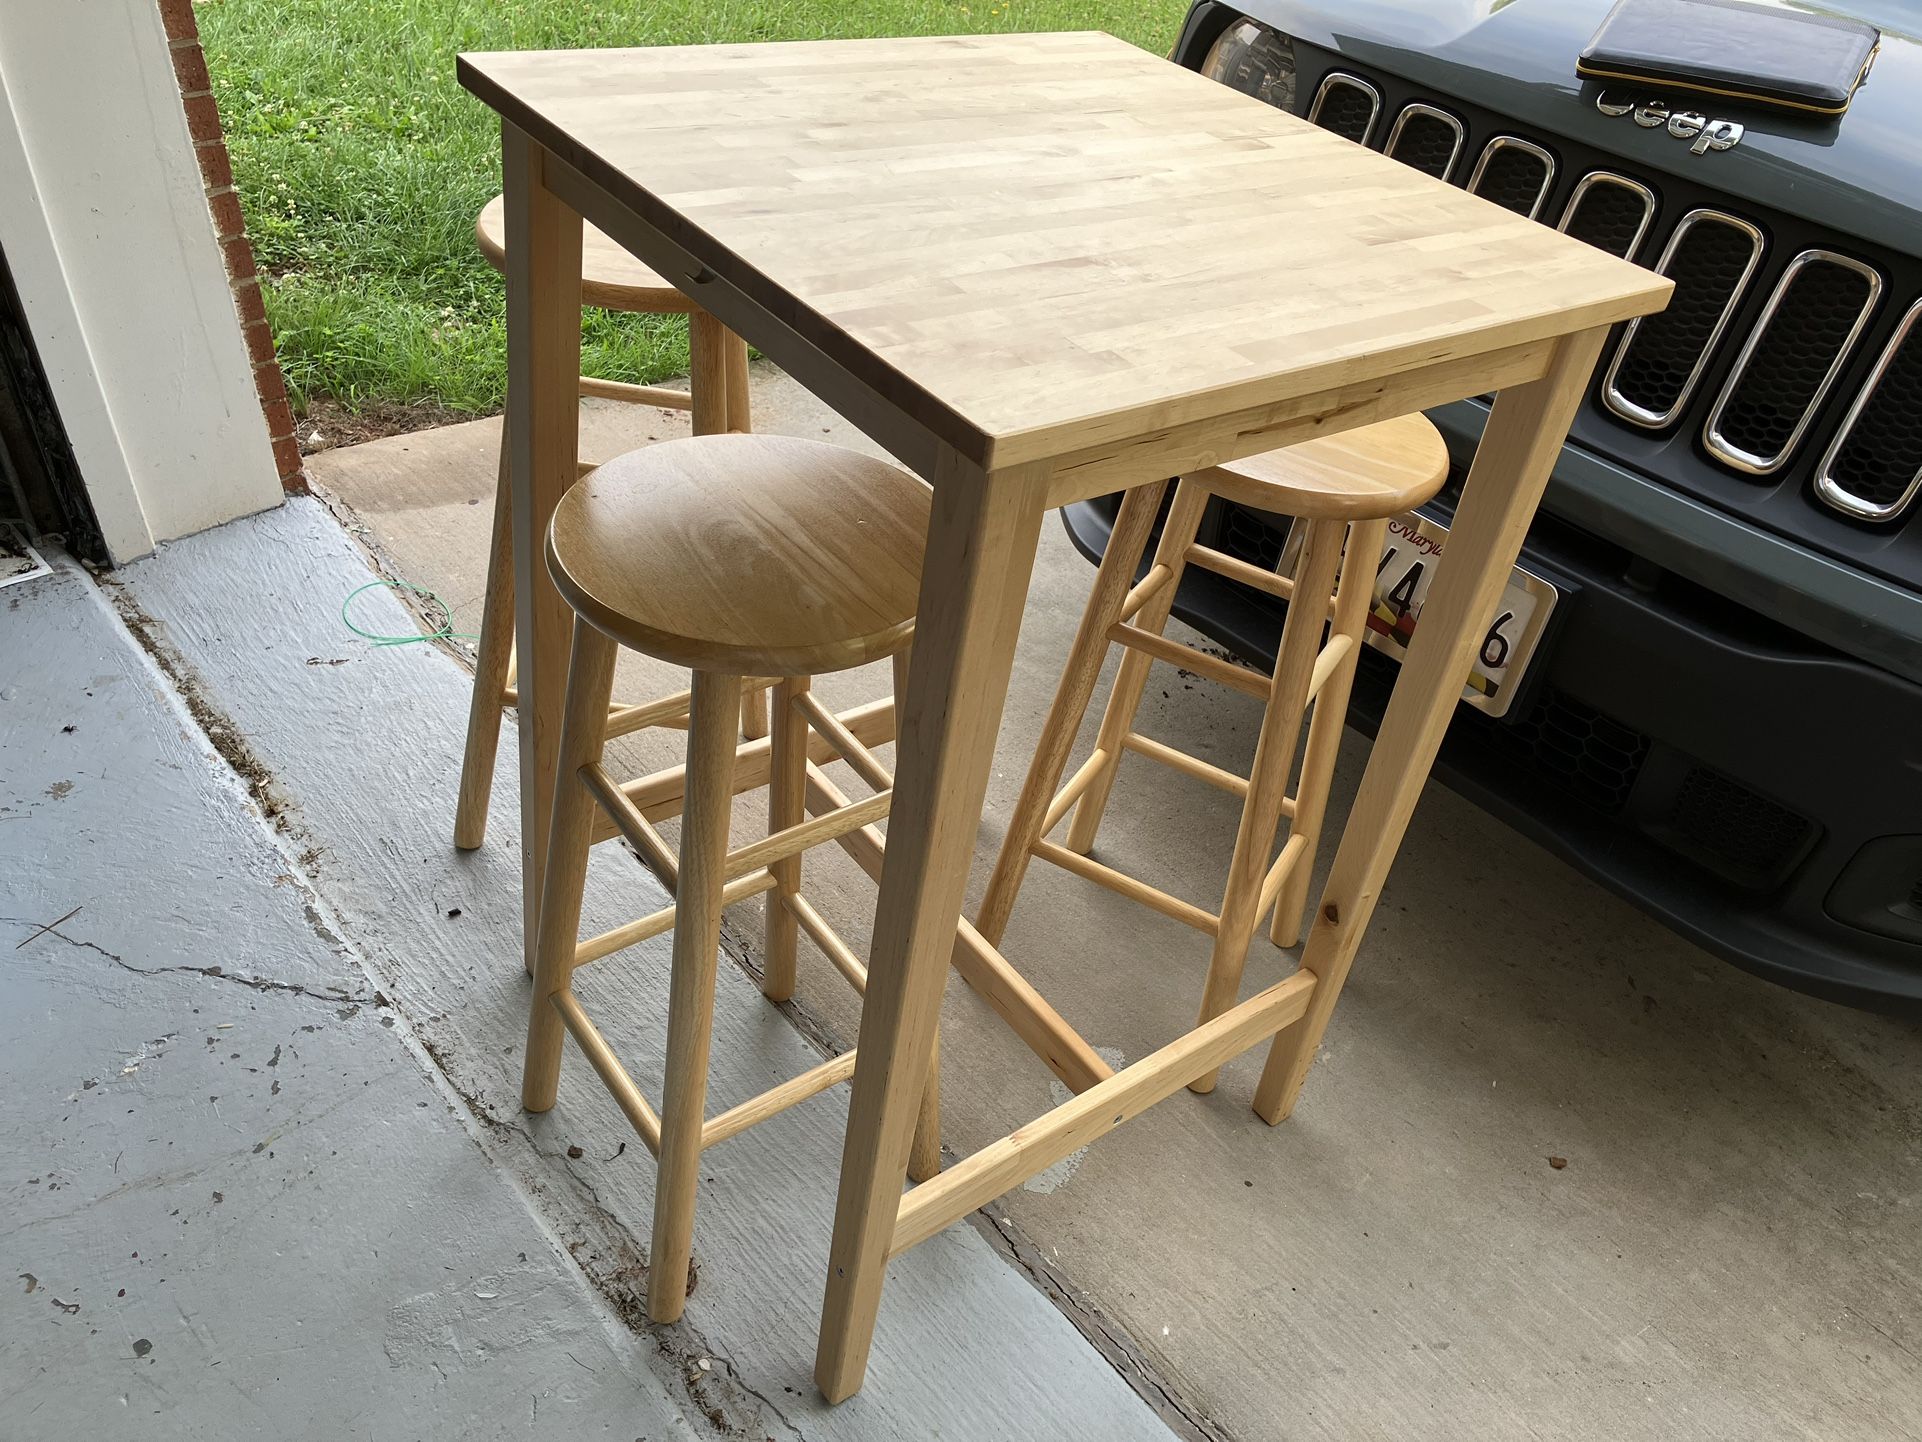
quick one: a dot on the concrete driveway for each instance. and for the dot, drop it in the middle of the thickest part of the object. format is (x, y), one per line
(1558, 1173)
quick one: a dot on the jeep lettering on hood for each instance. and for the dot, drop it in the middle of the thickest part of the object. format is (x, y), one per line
(1653, 113)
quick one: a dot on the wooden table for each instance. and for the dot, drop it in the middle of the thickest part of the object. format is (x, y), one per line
(1036, 269)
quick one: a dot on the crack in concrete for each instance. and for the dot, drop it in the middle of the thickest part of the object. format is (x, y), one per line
(214, 973)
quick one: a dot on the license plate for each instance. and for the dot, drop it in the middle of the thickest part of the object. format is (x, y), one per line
(1409, 558)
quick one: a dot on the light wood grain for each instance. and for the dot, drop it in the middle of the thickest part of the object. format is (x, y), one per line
(980, 1178)
(1034, 815)
(592, 678)
(1518, 450)
(668, 549)
(543, 441)
(1377, 470)
(1287, 701)
(712, 720)
(612, 278)
(893, 227)
(965, 630)
(493, 661)
(1352, 596)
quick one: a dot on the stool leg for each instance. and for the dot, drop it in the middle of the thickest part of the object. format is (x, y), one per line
(786, 806)
(1268, 778)
(491, 663)
(1125, 545)
(738, 403)
(924, 1153)
(711, 363)
(590, 682)
(1184, 522)
(690, 1015)
(1352, 595)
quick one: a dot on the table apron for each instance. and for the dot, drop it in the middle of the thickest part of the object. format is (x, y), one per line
(1196, 445)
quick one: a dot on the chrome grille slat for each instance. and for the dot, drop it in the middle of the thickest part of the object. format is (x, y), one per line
(1595, 212)
(1501, 174)
(1413, 139)
(1332, 87)
(1894, 423)
(1687, 333)
(1764, 379)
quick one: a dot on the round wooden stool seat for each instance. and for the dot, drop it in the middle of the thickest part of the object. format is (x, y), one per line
(1368, 473)
(753, 555)
(611, 278)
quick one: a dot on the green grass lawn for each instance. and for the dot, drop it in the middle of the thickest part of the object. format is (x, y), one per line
(361, 165)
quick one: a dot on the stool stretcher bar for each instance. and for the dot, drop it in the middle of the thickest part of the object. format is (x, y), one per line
(1167, 755)
(775, 1100)
(655, 923)
(1071, 793)
(658, 795)
(865, 763)
(1144, 590)
(1240, 678)
(977, 1180)
(1048, 1035)
(1172, 907)
(626, 1095)
(626, 816)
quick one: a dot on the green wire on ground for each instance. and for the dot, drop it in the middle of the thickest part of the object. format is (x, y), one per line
(446, 631)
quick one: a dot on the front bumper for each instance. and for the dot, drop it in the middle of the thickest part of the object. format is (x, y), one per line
(1690, 734)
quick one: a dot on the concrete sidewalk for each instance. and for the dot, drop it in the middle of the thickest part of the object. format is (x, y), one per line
(240, 1201)
(1733, 1249)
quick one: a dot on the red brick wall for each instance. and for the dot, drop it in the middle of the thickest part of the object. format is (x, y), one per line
(217, 175)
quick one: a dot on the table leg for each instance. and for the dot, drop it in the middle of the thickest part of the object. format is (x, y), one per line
(543, 424)
(1523, 437)
(980, 553)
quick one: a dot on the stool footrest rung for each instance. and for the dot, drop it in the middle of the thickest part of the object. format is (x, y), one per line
(656, 922)
(626, 1095)
(1188, 765)
(1064, 1050)
(1292, 851)
(655, 851)
(1071, 793)
(1144, 590)
(665, 396)
(1328, 662)
(1227, 673)
(794, 839)
(865, 763)
(658, 795)
(977, 1180)
(1172, 907)
(829, 940)
(1235, 569)
(776, 1100)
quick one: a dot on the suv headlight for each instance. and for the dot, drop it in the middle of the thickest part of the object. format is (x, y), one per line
(1254, 60)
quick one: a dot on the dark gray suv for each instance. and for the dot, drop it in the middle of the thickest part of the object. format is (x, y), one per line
(1720, 712)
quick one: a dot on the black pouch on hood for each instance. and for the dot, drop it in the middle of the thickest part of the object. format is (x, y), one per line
(1768, 56)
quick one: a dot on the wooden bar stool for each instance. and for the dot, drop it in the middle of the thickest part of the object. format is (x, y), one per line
(1343, 490)
(735, 556)
(717, 394)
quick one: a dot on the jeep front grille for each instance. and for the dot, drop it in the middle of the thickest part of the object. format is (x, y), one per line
(1347, 105)
(1787, 355)
(1610, 212)
(1873, 469)
(1711, 256)
(1426, 138)
(1790, 360)
(1516, 174)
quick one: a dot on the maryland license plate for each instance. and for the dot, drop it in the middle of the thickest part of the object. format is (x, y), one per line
(1409, 559)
